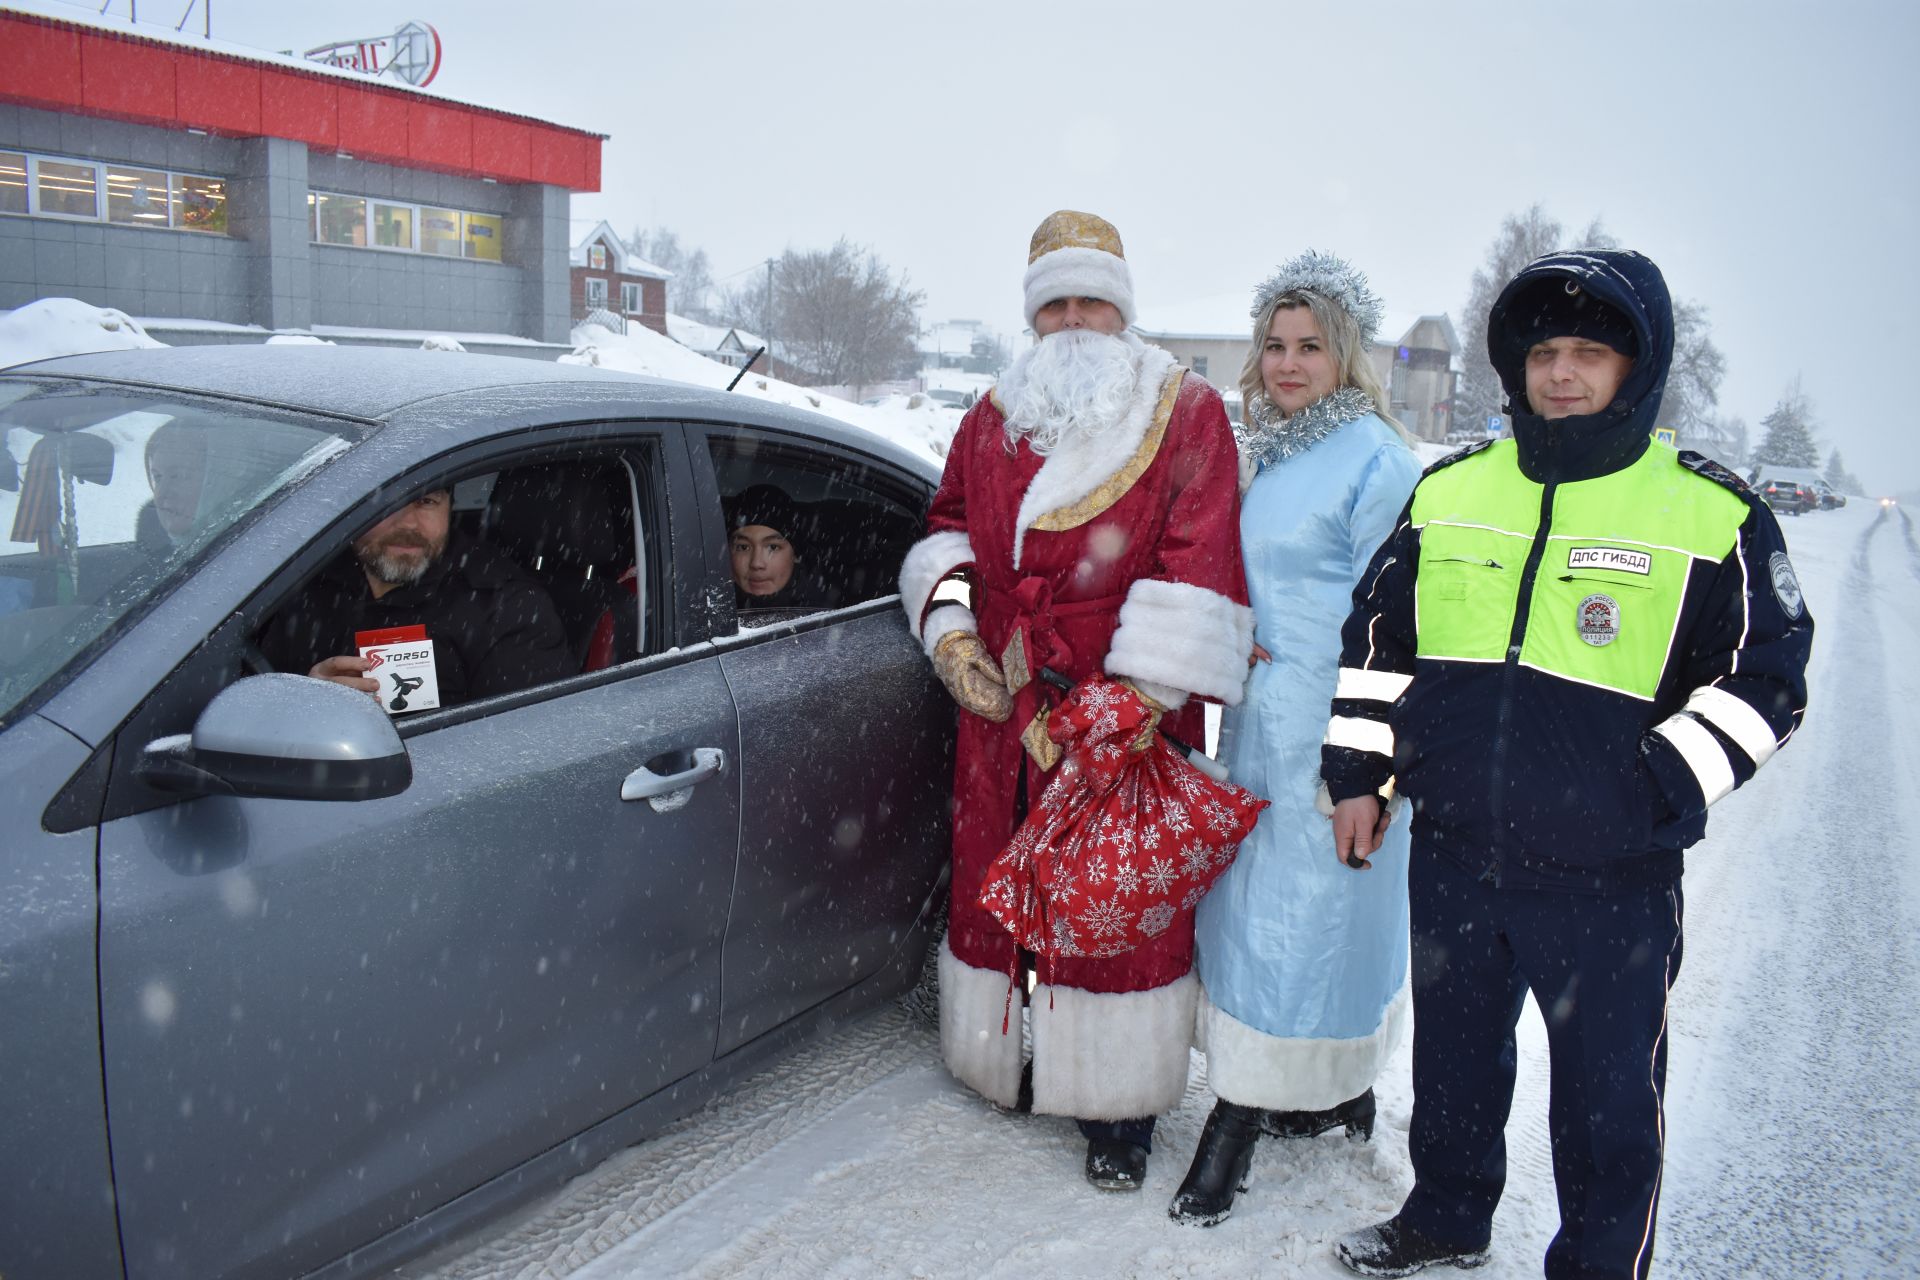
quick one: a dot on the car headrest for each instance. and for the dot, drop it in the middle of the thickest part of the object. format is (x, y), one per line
(562, 516)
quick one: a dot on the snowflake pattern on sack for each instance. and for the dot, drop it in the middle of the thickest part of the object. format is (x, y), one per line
(1121, 844)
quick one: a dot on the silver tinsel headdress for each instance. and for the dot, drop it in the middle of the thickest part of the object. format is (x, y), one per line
(1333, 278)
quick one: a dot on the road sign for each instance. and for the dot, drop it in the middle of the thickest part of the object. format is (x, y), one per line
(1665, 435)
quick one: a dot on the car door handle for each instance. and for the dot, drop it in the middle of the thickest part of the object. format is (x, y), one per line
(646, 783)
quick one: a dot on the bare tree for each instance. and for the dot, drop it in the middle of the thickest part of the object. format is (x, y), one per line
(1523, 237)
(690, 292)
(839, 315)
(1693, 384)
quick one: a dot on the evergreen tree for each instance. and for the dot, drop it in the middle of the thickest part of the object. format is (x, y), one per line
(1786, 438)
(1838, 476)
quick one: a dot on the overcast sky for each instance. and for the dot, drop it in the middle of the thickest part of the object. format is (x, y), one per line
(1763, 154)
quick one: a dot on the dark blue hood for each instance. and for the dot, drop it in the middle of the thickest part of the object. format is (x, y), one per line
(1593, 443)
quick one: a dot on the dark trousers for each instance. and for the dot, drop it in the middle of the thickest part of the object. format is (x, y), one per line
(1599, 967)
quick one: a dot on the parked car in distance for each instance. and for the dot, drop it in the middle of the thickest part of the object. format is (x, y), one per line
(304, 987)
(1828, 496)
(1788, 490)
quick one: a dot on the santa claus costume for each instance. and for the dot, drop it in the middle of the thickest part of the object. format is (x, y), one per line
(1105, 544)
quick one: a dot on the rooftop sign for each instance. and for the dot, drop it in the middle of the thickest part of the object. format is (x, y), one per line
(411, 54)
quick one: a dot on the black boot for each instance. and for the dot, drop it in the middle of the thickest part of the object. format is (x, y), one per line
(1355, 1113)
(1220, 1165)
(1394, 1249)
(1115, 1164)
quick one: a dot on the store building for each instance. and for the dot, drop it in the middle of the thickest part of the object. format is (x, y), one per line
(217, 193)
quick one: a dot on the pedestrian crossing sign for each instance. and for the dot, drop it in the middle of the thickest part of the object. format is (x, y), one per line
(1665, 435)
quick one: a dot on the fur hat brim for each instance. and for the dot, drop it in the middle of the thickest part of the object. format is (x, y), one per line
(1079, 273)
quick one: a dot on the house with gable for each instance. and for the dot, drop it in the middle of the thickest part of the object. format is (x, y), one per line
(610, 277)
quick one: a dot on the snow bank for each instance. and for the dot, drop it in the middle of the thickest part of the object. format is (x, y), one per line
(924, 427)
(50, 327)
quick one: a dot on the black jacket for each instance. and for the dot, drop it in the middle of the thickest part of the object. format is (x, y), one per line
(494, 628)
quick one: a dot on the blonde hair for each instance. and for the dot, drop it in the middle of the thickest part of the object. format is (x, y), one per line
(1351, 366)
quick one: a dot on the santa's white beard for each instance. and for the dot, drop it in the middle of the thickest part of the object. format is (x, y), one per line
(1071, 385)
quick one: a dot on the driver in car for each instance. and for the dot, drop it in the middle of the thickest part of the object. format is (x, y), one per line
(493, 626)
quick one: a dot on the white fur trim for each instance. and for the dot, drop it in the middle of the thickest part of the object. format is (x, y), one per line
(1101, 1056)
(1254, 1069)
(972, 1003)
(1082, 464)
(929, 560)
(946, 619)
(1079, 272)
(1186, 636)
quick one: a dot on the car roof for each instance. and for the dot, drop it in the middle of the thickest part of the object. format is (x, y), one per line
(384, 384)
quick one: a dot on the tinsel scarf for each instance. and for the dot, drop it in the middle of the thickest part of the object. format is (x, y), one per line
(1268, 437)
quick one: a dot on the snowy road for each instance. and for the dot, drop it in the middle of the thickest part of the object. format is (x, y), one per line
(1794, 1143)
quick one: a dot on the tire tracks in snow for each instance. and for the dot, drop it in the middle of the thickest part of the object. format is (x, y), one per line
(1809, 1164)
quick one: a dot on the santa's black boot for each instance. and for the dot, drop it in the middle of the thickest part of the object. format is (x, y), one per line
(1220, 1165)
(1355, 1113)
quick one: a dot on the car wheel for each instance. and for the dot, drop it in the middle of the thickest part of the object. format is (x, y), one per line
(922, 1003)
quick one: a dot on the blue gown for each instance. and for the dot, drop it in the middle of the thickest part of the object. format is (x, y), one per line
(1304, 962)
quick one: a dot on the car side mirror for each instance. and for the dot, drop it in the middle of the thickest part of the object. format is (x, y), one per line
(283, 737)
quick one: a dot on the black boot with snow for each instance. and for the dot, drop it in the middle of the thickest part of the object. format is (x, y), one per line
(1393, 1249)
(1355, 1113)
(1115, 1164)
(1220, 1166)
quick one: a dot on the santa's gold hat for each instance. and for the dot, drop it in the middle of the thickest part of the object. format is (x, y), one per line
(1077, 255)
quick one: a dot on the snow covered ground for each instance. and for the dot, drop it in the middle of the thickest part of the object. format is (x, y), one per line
(1794, 1135)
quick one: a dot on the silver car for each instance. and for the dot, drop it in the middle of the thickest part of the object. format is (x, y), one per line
(292, 984)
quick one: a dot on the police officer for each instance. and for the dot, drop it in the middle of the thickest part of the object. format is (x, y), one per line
(1574, 642)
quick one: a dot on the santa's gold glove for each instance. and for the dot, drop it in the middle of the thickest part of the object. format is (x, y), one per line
(971, 675)
(1155, 709)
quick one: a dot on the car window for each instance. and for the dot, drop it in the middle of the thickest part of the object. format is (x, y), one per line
(105, 495)
(845, 522)
(482, 583)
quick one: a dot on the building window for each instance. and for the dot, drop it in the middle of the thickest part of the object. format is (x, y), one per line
(406, 228)
(630, 298)
(13, 182)
(483, 235)
(63, 187)
(440, 232)
(138, 197)
(66, 190)
(597, 257)
(596, 292)
(339, 219)
(393, 226)
(1200, 365)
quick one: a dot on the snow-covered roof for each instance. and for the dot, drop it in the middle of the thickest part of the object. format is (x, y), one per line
(1221, 316)
(698, 336)
(625, 261)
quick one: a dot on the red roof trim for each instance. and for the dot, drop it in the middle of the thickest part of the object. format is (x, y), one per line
(64, 66)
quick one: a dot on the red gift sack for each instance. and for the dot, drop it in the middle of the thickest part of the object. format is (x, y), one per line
(1122, 841)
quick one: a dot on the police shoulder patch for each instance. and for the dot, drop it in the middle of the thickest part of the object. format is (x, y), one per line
(1704, 466)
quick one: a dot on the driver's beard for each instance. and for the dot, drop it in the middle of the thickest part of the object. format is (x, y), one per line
(393, 570)
(1072, 384)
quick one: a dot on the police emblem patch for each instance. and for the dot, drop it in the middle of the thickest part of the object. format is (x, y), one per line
(1599, 620)
(1786, 584)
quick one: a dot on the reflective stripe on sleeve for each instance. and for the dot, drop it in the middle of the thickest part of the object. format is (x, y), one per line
(1374, 686)
(1702, 752)
(1739, 721)
(1360, 735)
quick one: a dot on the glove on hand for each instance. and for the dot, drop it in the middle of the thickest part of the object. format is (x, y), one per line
(971, 675)
(1155, 709)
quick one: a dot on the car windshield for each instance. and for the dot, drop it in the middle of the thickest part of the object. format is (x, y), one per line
(106, 494)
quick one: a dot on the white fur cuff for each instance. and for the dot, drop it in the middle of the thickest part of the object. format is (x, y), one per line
(1178, 634)
(972, 1004)
(1250, 1067)
(929, 560)
(1100, 1056)
(1076, 272)
(945, 620)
